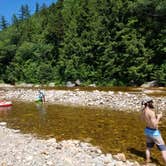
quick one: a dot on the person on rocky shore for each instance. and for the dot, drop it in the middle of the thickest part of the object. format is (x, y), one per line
(153, 135)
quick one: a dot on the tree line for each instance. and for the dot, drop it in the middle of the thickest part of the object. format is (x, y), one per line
(106, 42)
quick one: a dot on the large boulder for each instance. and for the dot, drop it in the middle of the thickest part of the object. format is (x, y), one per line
(92, 85)
(51, 84)
(6, 85)
(77, 82)
(149, 84)
(69, 84)
(24, 85)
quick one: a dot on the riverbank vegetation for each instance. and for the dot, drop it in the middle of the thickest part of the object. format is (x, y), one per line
(106, 42)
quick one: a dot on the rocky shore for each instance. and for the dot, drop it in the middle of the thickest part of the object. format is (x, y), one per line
(26, 150)
(122, 101)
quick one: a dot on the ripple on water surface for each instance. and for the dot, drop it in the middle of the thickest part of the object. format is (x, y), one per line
(110, 130)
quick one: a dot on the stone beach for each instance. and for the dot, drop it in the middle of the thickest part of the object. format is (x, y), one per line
(122, 101)
(26, 150)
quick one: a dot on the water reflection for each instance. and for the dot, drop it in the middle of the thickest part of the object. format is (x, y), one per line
(41, 107)
(4, 111)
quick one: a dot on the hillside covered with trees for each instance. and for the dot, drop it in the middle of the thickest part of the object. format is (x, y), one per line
(106, 42)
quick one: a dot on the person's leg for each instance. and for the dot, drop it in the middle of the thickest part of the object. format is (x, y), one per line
(149, 145)
(161, 146)
(164, 155)
(148, 155)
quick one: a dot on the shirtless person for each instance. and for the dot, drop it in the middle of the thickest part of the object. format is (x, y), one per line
(152, 133)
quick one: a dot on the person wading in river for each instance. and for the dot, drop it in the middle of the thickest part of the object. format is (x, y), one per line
(41, 97)
(152, 133)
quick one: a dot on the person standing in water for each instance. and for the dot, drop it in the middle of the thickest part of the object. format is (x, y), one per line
(41, 97)
(153, 135)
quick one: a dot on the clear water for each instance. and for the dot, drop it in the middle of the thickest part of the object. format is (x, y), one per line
(112, 131)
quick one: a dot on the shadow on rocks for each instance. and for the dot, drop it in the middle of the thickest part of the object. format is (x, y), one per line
(142, 154)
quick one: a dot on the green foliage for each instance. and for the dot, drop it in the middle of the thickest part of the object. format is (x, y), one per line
(12, 73)
(45, 73)
(106, 42)
(160, 74)
(3, 23)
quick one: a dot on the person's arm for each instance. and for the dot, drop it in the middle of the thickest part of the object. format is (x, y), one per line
(155, 119)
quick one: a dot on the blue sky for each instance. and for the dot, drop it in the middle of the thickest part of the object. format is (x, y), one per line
(10, 7)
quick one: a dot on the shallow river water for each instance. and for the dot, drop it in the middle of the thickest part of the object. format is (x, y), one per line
(112, 131)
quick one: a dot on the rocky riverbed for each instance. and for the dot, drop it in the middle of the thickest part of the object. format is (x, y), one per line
(19, 149)
(112, 100)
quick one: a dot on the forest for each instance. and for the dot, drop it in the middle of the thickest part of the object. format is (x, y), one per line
(102, 42)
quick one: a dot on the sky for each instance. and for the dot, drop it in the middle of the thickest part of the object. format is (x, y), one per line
(10, 7)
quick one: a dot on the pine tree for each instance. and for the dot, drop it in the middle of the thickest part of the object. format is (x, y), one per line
(24, 12)
(43, 6)
(15, 20)
(37, 8)
(3, 23)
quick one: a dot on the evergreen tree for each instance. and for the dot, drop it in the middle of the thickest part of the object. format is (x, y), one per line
(24, 12)
(107, 42)
(37, 8)
(15, 20)
(43, 6)
(3, 23)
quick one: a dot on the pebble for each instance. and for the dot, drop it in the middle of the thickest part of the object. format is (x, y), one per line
(122, 101)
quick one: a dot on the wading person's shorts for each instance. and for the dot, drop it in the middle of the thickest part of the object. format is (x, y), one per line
(153, 136)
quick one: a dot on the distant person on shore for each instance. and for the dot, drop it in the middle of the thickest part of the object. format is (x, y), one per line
(41, 97)
(152, 133)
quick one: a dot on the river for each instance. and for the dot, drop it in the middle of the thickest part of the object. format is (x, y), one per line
(112, 131)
